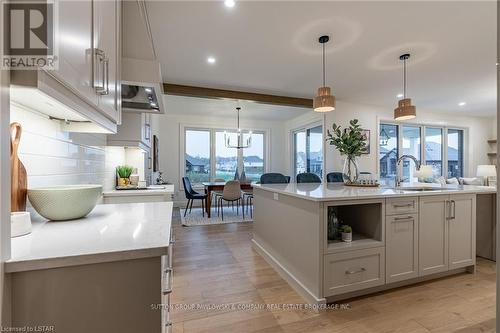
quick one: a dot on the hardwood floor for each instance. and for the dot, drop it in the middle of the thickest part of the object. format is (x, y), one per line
(215, 265)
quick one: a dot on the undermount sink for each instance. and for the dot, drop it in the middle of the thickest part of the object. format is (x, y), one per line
(422, 189)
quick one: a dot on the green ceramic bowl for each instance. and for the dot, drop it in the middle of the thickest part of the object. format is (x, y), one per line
(66, 202)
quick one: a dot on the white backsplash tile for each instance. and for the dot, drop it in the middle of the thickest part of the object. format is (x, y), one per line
(53, 157)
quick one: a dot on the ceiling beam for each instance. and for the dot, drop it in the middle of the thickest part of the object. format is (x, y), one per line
(201, 92)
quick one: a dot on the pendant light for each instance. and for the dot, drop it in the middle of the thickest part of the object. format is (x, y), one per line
(239, 136)
(405, 110)
(324, 101)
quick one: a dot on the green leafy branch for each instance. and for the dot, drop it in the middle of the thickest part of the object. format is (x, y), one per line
(350, 142)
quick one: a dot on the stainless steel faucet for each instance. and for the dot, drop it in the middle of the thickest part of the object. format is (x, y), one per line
(417, 166)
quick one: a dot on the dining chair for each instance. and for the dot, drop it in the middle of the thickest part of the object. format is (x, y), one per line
(230, 193)
(274, 178)
(192, 195)
(308, 177)
(334, 177)
(247, 201)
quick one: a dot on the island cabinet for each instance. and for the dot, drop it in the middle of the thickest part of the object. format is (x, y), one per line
(447, 233)
(401, 239)
(398, 237)
(359, 264)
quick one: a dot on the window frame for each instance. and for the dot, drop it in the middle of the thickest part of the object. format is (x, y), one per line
(213, 129)
(422, 127)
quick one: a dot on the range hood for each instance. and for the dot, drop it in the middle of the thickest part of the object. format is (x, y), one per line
(142, 88)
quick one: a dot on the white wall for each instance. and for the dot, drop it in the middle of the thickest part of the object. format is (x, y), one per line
(167, 128)
(480, 129)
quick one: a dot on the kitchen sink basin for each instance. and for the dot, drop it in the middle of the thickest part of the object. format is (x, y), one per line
(422, 189)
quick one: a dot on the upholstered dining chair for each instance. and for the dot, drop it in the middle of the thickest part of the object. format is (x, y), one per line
(274, 178)
(230, 193)
(308, 177)
(334, 177)
(192, 195)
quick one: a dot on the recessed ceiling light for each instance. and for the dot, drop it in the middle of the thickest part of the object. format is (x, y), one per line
(229, 3)
(461, 104)
(399, 95)
(211, 60)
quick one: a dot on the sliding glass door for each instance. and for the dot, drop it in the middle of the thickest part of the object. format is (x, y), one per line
(308, 150)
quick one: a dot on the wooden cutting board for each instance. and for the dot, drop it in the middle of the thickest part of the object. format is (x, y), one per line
(19, 180)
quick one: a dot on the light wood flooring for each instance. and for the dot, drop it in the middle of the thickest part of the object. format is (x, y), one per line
(216, 265)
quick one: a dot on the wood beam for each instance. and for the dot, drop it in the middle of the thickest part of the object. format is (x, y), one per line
(201, 92)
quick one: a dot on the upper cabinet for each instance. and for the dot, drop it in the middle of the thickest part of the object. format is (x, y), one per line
(107, 56)
(87, 82)
(75, 48)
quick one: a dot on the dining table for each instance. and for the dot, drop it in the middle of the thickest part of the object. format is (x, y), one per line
(218, 186)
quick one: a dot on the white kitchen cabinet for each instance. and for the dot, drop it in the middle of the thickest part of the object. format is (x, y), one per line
(401, 247)
(89, 58)
(351, 271)
(447, 232)
(433, 234)
(462, 231)
(107, 46)
(75, 48)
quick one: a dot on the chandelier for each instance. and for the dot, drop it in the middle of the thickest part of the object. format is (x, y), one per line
(239, 136)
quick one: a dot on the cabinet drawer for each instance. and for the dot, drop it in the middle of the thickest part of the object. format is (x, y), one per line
(352, 271)
(396, 206)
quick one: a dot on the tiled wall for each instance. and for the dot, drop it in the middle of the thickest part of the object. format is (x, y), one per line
(53, 157)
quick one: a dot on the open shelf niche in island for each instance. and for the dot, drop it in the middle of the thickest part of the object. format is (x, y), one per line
(366, 221)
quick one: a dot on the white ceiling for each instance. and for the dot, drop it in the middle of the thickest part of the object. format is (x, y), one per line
(224, 108)
(271, 47)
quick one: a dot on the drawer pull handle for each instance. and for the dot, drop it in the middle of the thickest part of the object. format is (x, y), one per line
(167, 291)
(403, 218)
(362, 269)
(402, 205)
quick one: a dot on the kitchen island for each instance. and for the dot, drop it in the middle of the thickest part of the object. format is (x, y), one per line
(107, 272)
(400, 236)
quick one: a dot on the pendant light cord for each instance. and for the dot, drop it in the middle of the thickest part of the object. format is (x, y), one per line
(324, 72)
(404, 78)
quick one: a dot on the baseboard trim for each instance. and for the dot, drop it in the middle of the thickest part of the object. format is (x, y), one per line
(286, 275)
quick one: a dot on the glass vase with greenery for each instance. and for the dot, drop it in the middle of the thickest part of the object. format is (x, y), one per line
(351, 143)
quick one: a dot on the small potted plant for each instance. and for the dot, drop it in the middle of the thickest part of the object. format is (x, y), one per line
(123, 173)
(346, 232)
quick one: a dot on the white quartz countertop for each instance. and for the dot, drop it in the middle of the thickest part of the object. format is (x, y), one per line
(151, 190)
(111, 232)
(332, 191)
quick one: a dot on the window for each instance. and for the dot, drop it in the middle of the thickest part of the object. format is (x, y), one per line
(429, 144)
(434, 150)
(308, 150)
(388, 151)
(197, 166)
(253, 157)
(207, 157)
(226, 159)
(411, 146)
(455, 156)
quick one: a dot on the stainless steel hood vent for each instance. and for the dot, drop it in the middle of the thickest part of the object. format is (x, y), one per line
(142, 87)
(139, 98)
